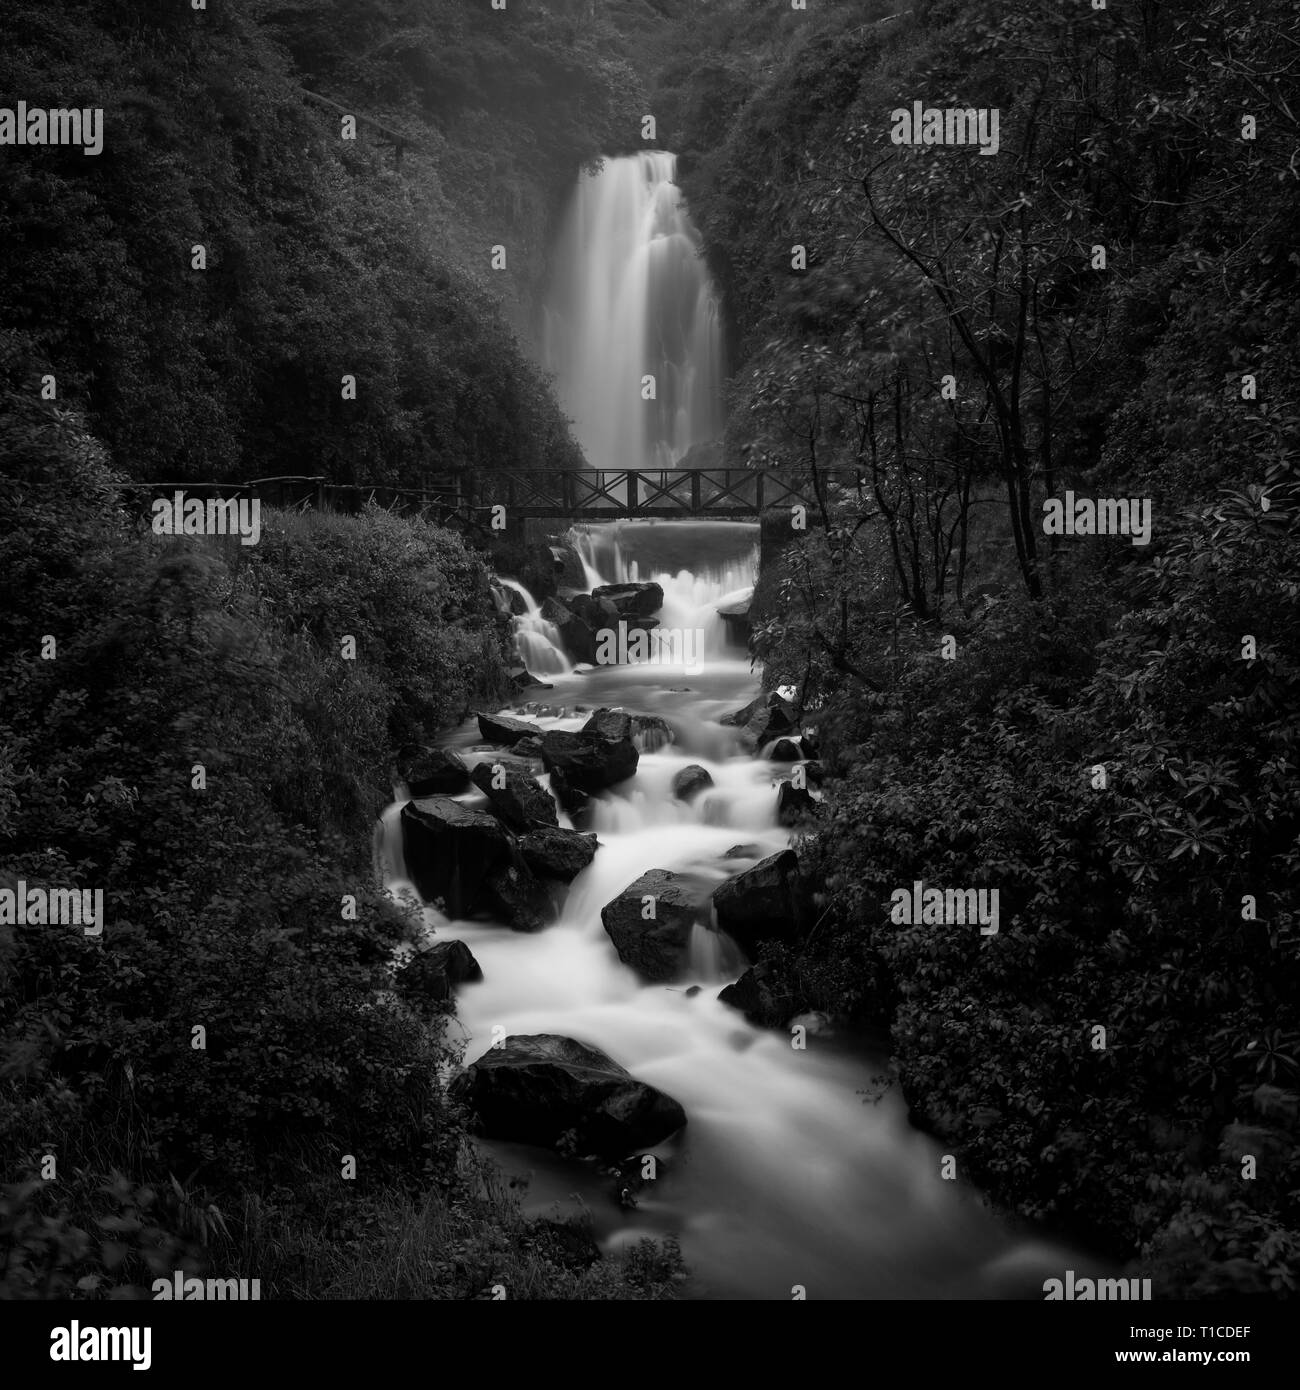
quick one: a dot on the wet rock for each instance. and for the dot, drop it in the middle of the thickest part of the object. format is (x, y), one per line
(690, 781)
(450, 852)
(763, 903)
(632, 600)
(609, 723)
(556, 853)
(562, 1094)
(575, 801)
(430, 976)
(735, 621)
(654, 947)
(589, 763)
(793, 804)
(785, 750)
(578, 638)
(647, 731)
(515, 796)
(767, 717)
(514, 896)
(521, 678)
(431, 771)
(528, 747)
(595, 612)
(505, 730)
(761, 996)
(743, 852)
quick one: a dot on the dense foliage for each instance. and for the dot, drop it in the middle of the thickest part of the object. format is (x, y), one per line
(1158, 903)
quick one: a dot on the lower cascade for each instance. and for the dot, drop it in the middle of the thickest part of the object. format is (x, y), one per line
(794, 1174)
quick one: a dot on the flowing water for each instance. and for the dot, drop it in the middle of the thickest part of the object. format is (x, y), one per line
(794, 1168)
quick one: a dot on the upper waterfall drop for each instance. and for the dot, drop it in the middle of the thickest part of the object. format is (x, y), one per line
(632, 298)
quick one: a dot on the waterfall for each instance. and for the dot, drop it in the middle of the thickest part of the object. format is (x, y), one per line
(537, 642)
(632, 299)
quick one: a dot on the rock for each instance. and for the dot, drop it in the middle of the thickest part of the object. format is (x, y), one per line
(574, 801)
(430, 975)
(559, 1093)
(555, 853)
(735, 621)
(793, 804)
(528, 747)
(595, 612)
(609, 723)
(761, 996)
(815, 773)
(431, 771)
(694, 990)
(451, 851)
(521, 678)
(761, 903)
(511, 894)
(506, 730)
(767, 717)
(742, 852)
(690, 781)
(589, 763)
(785, 750)
(520, 803)
(655, 948)
(632, 600)
(578, 638)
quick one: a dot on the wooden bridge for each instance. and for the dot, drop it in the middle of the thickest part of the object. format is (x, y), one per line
(575, 494)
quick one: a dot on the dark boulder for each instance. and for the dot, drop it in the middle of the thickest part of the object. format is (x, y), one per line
(431, 771)
(785, 750)
(762, 996)
(589, 763)
(793, 804)
(655, 946)
(767, 717)
(521, 678)
(515, 796)
(528, 747)
(514, 896)
(761, 903)
(632, 600)
(650, 733)
(595, 612)
(575, 801)
(555, 853)
(690, 781)
(609, 723)
(506, 730)
(559, 1093)
(451, 851)
(578, 638)
(431, 975)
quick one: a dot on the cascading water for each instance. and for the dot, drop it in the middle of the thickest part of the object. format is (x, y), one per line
(537, 642)
(785, 1174)
(632, 300)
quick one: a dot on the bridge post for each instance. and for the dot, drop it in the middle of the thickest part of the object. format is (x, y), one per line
(695, 493)
(760, 494)
(566, 491)
(633, 492)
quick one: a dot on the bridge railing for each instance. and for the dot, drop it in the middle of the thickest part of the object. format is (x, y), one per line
(596, 493)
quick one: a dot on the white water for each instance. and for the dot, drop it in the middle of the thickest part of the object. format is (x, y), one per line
(537, 642)
(785, 1174)
(632, 298)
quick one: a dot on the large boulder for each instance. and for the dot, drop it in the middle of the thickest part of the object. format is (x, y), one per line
(521, 678)
(655, 947)
(451, 851)
(578, 638)
(431, 771)
(767, 717)
(690, 781)
(505, 730)
(762, 996)
(761, 903)
(559, 854)
(609, 723)
(647, 731)
(431, 975)
(632, 600)
(556, 1092)
(794, 804)
(589, 763)
(574, 800)
(514, 896)
(736, 620)
(595, 612)
(650, 733)
(515, 796)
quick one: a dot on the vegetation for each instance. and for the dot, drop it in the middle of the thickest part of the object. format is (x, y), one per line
(1158, 903)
